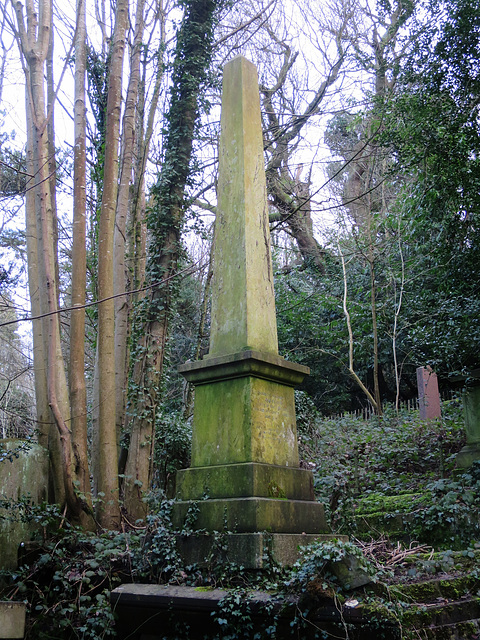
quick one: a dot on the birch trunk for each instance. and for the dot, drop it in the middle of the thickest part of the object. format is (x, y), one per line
(35, 42)
(44, 416)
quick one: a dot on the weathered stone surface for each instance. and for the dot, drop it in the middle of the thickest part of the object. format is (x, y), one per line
(244, 420)
(26, 475)
(245, 479)
(249, 550)
(471, 411)
(428, 394)
(12, 619)
(243, 307)
(159, 612)
(264, 365)
(349, 573)
(245, 515)
(244, 398)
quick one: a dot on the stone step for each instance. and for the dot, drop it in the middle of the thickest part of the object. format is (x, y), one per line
(465, 630)
(443, 608)
(442, 613)
(429, 591)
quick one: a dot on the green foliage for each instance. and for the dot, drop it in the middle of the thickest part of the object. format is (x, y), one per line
(97, 64)
(13, 176)
(306, 414)
(354, 458)
(450, 517)
(66, 578)
(319, 559)
(173, 441)
(432, 126)
(397, 466)
(67, 584)
(313, 330)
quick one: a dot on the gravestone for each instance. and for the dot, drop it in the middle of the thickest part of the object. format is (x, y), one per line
(428, 394)
(245, 475)
(471, 413)
(23, 472)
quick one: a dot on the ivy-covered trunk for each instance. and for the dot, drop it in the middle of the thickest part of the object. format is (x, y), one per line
(192, 59)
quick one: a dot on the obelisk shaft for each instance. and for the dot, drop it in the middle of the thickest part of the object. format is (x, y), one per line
(243, 302)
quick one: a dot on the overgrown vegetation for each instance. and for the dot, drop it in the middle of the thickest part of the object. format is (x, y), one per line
(389, 483)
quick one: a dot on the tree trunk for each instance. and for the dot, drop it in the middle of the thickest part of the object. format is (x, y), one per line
(35, 45)
(106, 456)
(44, 417)
(78, 392)
(120, 280)
(192, 57)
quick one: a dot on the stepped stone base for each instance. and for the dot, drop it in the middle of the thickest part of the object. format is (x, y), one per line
(249, 515)
(250, 550)
(245, 479)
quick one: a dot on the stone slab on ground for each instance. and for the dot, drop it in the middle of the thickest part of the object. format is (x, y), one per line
(154, 612)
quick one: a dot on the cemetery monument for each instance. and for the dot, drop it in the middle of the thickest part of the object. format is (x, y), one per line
(245, 475)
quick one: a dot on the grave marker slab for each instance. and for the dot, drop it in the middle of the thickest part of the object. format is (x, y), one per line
(470, 453)
(428, 394)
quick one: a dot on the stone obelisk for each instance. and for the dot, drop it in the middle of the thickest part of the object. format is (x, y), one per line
(245, 474)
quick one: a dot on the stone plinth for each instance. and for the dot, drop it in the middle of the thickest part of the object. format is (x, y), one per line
(252, 514)
(244, 409)
(243, 480)
(244, 475)
(256, 550)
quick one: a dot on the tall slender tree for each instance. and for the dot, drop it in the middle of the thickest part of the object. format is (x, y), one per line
(78, 391)
(106, 453)
(35, 41)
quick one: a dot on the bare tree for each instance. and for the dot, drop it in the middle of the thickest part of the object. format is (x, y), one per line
(35, 41)
(106, 451)
(78, 390)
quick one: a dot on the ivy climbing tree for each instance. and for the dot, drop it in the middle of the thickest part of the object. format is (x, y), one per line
(193, 54)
